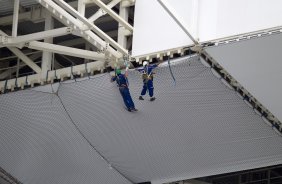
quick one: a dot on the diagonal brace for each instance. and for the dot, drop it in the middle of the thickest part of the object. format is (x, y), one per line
(66, 50)
(101, 12)
(114, 15)
(23, 57)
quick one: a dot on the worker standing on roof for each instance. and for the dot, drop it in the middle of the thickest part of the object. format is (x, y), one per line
(122, 83)
(147, 76)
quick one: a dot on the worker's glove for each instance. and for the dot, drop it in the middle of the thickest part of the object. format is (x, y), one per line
(126, 68)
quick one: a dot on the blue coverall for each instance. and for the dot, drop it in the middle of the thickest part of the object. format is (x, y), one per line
(122, 82)
(148, 83)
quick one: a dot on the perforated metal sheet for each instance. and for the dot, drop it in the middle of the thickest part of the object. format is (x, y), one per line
(196, 128)
(256, 65)
(39, 144)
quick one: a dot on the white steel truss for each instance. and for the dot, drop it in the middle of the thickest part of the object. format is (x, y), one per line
(22, 56)
(101, 12)
(66, 50)
(107, 49)
(77, 24)
(112, 14)
(20, 40)
(59, 74)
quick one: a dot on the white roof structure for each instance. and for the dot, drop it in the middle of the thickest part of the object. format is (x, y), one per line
(215, 110)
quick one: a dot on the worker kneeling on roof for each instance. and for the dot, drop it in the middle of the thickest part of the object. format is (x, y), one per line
(122, 83)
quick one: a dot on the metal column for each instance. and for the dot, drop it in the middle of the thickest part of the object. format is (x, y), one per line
(47, 56)
(123, 13)
(15, 18)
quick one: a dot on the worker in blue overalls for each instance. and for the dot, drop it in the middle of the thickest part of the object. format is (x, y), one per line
(122, 83)
(147, 76)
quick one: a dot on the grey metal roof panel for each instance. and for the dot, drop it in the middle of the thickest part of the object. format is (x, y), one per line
(39, 144)
(255, 64)
(196, 128)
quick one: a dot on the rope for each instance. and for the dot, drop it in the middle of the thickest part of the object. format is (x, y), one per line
(16, 82)
(89, 142)
(72, 73)
(5, 87)
(56, 75)
(87, 70)
(174, 81)
(26, 81)
(47, 76)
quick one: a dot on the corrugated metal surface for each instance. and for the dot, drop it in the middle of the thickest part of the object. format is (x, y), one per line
(7, 6)
(198, 127)
(195, 128)
(39, 144)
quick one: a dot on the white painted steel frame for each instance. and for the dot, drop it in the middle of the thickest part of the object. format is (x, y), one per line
(47, 56)
(52, 75)
(10, 70)
(16, 41)
(69, 20)
(15, 18)
(101, 12)
(66, 50)
(88, 24)
(112, 14)
(36, 14)
(23, 57)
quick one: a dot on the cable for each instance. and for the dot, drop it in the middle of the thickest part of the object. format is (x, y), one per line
(171, 71)
(91, 145)
(5, 87)
(87, 70)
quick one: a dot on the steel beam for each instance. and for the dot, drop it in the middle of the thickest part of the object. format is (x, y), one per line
(128, 3)
(90, 25)
(101, 12)
(23, 57)
(58, 74)
(12, 70)
(15, 18)
(66, 50)
(68, 19)
(38, 36)
(30, 15)
(47, 56)
(81, 7)
(80, 41)
(122, 39)
(114, 15)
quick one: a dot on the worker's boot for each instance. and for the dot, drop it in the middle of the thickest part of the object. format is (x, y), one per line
(141, 98)
(152, 99)
(133, 109)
